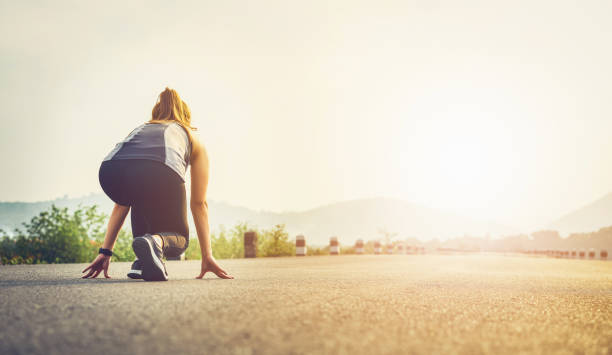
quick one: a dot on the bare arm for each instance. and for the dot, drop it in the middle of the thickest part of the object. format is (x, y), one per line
(198, 204)
(115, 222)
(102, 262)
(199, 208)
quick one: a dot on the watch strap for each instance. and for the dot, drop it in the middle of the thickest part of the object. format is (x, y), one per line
(106, 252)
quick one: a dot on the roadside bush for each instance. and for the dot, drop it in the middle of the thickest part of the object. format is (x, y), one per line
(193, 250)
(312, 251)
(226, 244)
(57, 236)
(347, 250)
(275, 242)
(229, 244)
(123, 247)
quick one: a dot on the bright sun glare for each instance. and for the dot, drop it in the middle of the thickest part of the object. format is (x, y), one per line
(469, 161)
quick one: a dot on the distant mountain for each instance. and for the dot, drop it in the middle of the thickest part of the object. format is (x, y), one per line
(13, 214)
(366, 218)
(348, 220)
(591, 217)
(540, 240)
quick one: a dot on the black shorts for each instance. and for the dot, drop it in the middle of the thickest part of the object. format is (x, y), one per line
(156, 195)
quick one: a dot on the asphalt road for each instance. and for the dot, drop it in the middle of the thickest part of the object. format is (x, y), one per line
(466, 304)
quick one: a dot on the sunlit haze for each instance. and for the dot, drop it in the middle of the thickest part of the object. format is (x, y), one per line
(493, 110)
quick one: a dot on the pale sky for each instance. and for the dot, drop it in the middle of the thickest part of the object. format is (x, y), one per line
(497, 110)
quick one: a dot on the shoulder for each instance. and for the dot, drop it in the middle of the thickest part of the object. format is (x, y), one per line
(198, 149)
(176, 128)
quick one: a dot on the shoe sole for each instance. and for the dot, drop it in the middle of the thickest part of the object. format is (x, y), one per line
(152, 267)
(135, 274)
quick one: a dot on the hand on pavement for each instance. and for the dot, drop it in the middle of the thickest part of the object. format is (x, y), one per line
(101, 262)
(210, 264)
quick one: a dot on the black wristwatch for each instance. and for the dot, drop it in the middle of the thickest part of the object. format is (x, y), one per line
(106, 252)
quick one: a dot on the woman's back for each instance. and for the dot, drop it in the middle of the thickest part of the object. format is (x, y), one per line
(136, 177)
(166, 143)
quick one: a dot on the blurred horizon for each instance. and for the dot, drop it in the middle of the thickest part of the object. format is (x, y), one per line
(369, 219)
(490, 110)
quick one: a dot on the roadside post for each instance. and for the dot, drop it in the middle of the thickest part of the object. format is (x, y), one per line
(377, 248)
(359, 246)
(334, 248)
(250, 244)
(591, 253)
(389, 249)
(300, 245)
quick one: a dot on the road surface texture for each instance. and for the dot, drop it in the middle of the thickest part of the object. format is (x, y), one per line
(371, 304)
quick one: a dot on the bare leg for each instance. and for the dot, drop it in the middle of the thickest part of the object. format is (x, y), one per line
(173, 244)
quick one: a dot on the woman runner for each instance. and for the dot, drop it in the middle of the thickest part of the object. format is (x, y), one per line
(146, 173)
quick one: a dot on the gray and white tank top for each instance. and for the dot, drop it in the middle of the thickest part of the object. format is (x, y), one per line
(167, 143)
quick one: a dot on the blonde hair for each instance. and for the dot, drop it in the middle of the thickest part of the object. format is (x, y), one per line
(170, 108)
